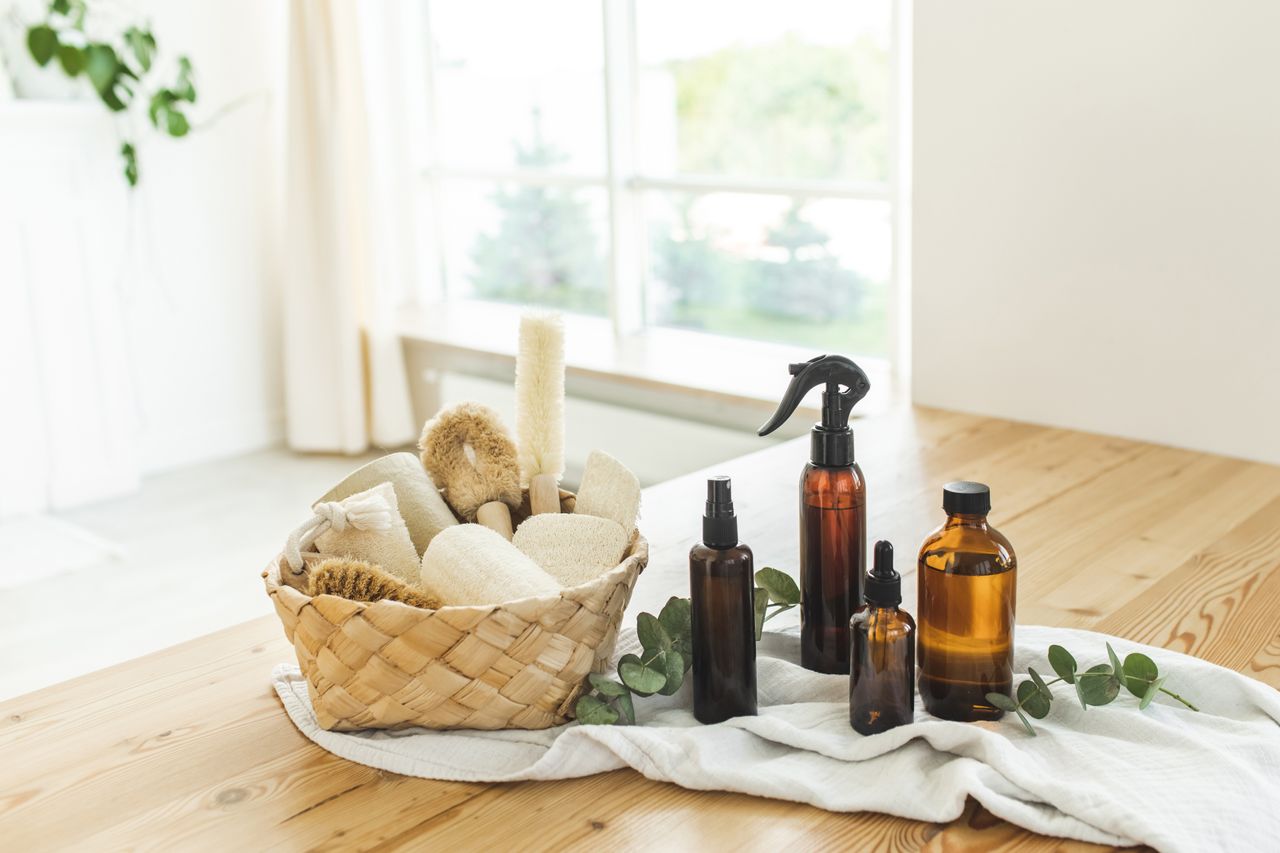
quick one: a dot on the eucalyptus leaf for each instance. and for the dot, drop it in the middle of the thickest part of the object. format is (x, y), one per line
(1152, 689)
(1099, 685)
(780, 585)
(761, 601)
(1063, 663)
(626, 708)
(644, 678)
(606, 686)
(593, 711)
(1139, 672)
(1001, 701)
(1023, 717)
(676, 617)
(651, 633)
(674, 672)
(1033, 701)
(42, 41)
(1080, 694)
(1040, 685)
(1116, 666)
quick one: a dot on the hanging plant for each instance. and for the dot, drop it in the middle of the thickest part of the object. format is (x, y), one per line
(119, 70)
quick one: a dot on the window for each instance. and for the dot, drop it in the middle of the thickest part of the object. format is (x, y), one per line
(720, 166)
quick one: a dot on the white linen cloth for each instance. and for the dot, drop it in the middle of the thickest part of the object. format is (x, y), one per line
(1166, 776)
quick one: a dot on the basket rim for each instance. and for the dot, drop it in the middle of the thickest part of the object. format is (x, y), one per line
(636, 557)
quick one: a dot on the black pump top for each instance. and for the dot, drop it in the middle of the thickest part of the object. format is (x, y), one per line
(719, 524)
(964, 497)
(832, 439)
(884, 585)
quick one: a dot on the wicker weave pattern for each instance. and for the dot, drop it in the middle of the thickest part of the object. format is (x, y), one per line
(519, 665)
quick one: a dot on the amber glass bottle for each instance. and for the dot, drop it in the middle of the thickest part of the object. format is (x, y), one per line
(721, 592)
(833, 549)
(967, 581)
(882, 652)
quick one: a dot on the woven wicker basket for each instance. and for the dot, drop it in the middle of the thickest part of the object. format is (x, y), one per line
(518, 665)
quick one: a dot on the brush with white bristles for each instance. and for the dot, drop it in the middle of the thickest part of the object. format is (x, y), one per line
(540, 408)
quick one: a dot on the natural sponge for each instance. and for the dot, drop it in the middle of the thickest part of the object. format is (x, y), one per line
(468, 452)
(361, 581)
(424, 512)
(609, 490)
(572, 548)
(471, 564)
(358, 529)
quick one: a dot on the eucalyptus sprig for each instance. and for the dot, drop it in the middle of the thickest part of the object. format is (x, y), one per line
(1098, 685)
(666, 641)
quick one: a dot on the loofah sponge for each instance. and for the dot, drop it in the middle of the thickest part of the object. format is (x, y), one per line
(609, 490)
(361, 581)
(490, 472)
(573, 549)
(540, 396)
(383, 541)
(424, 512)
(471, 564)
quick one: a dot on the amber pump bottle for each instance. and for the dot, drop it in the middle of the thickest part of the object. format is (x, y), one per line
(833, 511)
(721, 591)
(882, 652)
(967, 580)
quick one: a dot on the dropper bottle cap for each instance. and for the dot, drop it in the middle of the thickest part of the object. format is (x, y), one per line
(884, 585)
(719, 524)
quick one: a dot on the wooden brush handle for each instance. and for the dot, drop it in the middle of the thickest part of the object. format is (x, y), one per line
(496, 516)
(544, 494)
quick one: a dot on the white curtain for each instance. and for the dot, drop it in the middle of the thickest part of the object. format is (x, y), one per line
(349, 201)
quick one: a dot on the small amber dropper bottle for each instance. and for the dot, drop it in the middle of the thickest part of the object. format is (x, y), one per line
(882, 652)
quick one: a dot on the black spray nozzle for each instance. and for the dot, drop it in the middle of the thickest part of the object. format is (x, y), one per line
(846, 384)
(884, 585)
(719, 524)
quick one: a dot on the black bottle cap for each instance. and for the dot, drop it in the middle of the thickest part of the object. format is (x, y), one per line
(831, 445)
(719, 524)
(964, 497)
(884, 585)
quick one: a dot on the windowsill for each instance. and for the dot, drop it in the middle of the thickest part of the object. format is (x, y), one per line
(704, 377)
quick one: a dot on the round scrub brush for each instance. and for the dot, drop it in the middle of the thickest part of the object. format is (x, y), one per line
(540, 408)
(468, 453)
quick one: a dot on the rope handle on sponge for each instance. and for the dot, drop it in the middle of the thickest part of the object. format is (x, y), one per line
(363, 512)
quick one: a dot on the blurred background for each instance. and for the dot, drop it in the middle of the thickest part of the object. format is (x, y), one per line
(245, 246)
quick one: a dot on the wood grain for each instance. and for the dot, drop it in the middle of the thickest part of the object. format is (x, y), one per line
(188, 748)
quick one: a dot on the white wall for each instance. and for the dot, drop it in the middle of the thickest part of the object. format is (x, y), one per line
(1097, 216)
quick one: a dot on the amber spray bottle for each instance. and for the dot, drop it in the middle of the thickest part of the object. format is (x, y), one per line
(967, 579)
(721, 591)
(882, 652)
(833, 511)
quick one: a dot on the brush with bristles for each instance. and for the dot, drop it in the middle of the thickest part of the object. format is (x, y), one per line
(540, 408)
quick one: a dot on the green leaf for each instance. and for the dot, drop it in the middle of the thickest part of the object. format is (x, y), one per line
(1030, 730)
(1063, 663)
(61, 7)
(676, 618)
(761, 601)
(176, 123)
(627, 708)
(1001, 701)
(185, 89)
(645, 679)
(675, 672)
(42, 41)
(130, 163)
(1152, 689)
(102, 66)
(1116, 666)
(1095, 689)
(651, 633)
(1040, 685)
(160, 103)
(142, 44)
(71, 59)
(606, 686)
(1033, 701)
(593, 712)
(1139, 672)
(1080, 694)
(780, 585)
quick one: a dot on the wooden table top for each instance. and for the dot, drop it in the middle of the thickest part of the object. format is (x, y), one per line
(189, 747)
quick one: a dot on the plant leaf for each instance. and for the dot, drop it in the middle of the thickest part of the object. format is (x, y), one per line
(592, 711)
(1116, 666)
(780, 585)
(605, 685)
(1139, 672)
(651, 633)
(185, 88)
(101, 65)
(1152, 689)
(676, 617)
(1096, 690)
(71, 59)
(42, 41)
(1040, 685)
(1002, 701)
(1080, 694)
(675, 672)
(1063, 663)
(761, 601)
(142, 44)
(627, 708)
(61, 7)
(176, 123)
(645, 679)
(130, 163)
(1021, 716)
(1033, 701)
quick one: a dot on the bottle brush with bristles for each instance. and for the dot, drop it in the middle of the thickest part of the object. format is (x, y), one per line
(540, 408)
